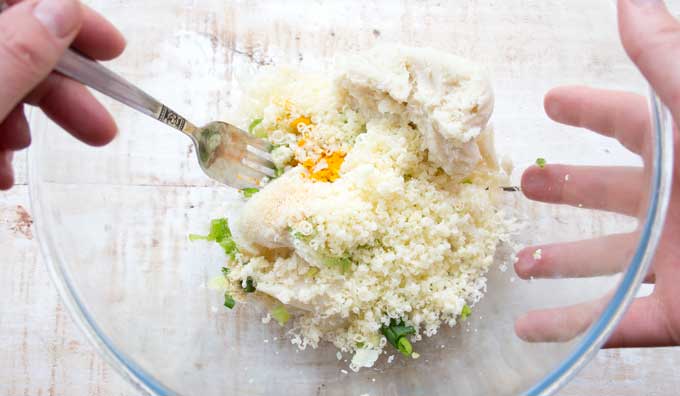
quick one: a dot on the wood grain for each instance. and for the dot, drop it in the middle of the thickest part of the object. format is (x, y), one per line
(41, 352)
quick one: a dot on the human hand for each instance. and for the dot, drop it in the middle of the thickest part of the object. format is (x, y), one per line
(33, 35)
(651, 37)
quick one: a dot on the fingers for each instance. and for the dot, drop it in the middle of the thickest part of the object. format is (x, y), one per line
(593, 257)
(75, 109)
(621, 115)
(14, 132)
(558, 324)
(33, 34)
(98, 38)
(616, 189)
(14, 135)
(651, 37)
(643, 325)
(6, 172)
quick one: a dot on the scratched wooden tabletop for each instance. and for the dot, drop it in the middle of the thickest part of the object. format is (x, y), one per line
(43, 353)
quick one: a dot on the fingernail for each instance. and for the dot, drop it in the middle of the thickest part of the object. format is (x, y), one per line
(535, 180)
(643, 3)
(523, 267)
(60, 17)
(552, 108)
(524, 263)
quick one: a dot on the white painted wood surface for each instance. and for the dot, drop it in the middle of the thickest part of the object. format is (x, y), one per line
(42, 352)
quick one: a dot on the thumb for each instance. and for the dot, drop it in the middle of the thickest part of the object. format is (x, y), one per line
(651, 37)
(33, 35)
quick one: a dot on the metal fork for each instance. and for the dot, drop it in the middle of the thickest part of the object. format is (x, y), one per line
(225, 153)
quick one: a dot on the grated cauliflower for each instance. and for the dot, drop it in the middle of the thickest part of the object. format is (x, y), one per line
(388, 208)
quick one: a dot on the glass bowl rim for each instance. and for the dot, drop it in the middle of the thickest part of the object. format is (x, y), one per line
(585, 350)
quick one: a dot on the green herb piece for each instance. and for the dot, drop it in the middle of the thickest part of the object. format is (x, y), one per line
(343, 263)
(219, 230)
(467, 180)
(254, 125)
(346, 266)
(229, 247)
(229, 301)
(404, 346)
(209, 138)
(203, 154)
(225, 271)
(360, 345)
(467, 311)
(280, 313)
(220, 233)
(396, 334)
(249, 192)
(301, 236)
(540, 162)
(312, 272)
(250, 288)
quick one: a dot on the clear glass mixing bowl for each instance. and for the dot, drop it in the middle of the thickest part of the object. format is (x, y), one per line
(113, 221)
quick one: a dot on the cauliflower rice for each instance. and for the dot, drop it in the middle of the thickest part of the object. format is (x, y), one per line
(387, 209)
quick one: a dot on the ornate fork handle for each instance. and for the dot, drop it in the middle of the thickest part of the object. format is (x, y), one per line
(100, 78)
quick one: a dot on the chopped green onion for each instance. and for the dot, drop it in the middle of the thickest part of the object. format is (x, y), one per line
(229, 247)
(404, 346)
(229, 301)
(220, 233)
(467, 180)
(467, 311)
(360, 345)
(343, 263)
(312, 272)
(225, 271)
(280, 313)
(249, 285)
(249, 192)
(219, 229)
(540, 162)
(211, 137)
(254, 125)
(396, 334)
(301, 236)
